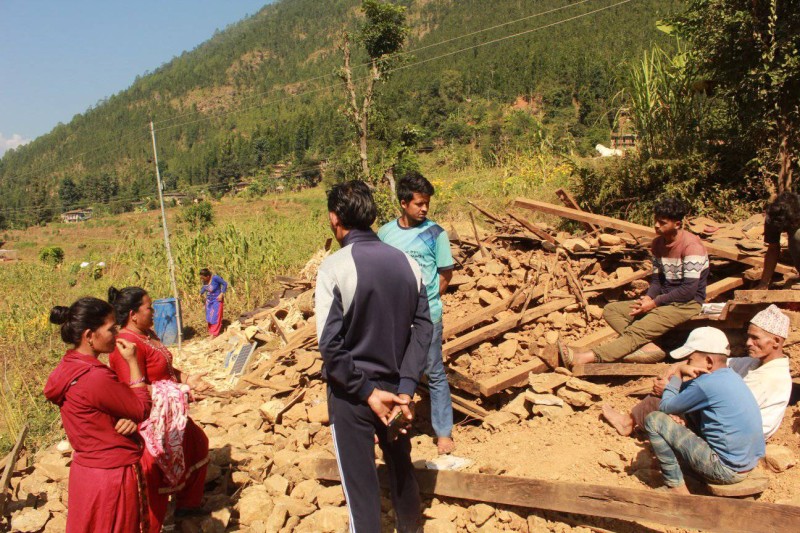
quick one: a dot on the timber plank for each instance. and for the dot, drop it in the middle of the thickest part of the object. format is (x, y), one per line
(460, 381)
(483, 315)
(766, 297)
(533, 229)
(516, 377)
(638, 230)
(722, 286)
(594, 339)
(501, 326)
(568, 200)
(620, 369)
(708, 513)
(620, 282)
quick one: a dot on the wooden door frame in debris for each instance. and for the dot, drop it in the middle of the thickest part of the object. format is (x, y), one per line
(697, 512)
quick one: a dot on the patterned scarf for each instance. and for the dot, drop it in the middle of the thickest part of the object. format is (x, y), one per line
(163, 431)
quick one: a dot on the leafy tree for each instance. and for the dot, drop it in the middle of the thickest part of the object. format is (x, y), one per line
(383, 36)
(749, 51)
(68, 193)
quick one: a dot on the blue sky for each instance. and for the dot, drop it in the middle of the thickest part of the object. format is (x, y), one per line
(59, 57)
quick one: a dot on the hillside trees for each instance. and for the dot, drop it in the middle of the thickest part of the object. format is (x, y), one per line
(749, 51)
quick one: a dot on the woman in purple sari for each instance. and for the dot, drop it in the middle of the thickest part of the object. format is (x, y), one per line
(214, 288)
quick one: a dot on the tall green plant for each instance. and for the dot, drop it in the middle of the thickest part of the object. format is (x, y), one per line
(668, 114)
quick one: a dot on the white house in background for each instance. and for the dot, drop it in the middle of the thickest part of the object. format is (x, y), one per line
(77, 215)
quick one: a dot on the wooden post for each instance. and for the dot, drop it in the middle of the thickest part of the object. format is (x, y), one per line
(484, 254)
(170, 262)
(12, 461)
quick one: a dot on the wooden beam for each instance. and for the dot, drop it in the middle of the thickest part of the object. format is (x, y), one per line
(461, 381)
(279, 328)
(542, 234)
(722, 286)
(619, 282)
(484, 253)
(501, 326)
(9, 470)
(594, 339)
(676, 510)
(516, 377)
(476, 410)
(484, 212)
(568, 200)
(620, 369)
(638, 230)
(482, 315)
(766, 297)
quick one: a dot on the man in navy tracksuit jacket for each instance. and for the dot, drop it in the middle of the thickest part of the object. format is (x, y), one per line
(374, 331)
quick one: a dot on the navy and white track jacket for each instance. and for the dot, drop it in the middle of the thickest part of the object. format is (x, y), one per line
(373, 321)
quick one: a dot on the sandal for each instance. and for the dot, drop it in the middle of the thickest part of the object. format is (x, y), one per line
(565, 352)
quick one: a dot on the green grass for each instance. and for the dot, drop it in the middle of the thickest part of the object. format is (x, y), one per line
(251, 244)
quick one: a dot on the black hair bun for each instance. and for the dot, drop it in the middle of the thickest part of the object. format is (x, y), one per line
(113, 294)
(59, 314)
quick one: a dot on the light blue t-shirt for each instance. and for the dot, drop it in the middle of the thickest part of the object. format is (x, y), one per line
(723, 409)
(429, 246)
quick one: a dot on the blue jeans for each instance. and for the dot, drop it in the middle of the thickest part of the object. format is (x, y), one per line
(441, 403)
(672, 441)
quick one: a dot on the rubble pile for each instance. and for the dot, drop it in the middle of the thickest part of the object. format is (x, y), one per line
(516, 292)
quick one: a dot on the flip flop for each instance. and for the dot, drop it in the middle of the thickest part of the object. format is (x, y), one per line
(565, 352)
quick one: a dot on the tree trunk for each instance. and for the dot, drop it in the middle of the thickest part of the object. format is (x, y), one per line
(786, 160)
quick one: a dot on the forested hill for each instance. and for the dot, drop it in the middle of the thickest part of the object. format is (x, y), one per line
(263, 92)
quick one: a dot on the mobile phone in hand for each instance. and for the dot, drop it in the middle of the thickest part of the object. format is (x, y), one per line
(397, 423)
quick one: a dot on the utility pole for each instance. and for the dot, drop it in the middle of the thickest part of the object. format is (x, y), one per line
(170, 263)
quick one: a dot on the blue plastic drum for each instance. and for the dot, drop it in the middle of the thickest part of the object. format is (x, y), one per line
(166, 320)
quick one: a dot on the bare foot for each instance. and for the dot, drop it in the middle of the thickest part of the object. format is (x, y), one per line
(680, 489)
(445, 445)
(622, 422)
(580, 358)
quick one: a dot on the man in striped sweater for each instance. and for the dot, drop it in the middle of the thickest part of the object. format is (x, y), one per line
(676, 294)
(374, 330)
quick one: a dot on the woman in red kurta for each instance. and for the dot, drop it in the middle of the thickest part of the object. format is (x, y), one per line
(134, 312)
(105, 479)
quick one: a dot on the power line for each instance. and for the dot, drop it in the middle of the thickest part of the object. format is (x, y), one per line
(403, 53)
(326, 87)
(402, 67)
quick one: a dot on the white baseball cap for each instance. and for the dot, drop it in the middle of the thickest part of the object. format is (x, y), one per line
(706, 339)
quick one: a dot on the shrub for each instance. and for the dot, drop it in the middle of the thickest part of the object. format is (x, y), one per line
(198, 216)
(51, 255)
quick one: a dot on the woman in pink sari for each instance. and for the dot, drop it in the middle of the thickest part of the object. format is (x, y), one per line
(182, 471)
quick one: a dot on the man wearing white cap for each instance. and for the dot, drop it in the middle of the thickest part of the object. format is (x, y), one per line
(728, 440)
(766, 372)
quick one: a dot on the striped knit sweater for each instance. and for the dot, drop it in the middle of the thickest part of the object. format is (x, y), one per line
(680, 270)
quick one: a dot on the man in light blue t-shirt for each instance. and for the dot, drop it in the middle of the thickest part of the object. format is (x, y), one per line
(427, 243)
